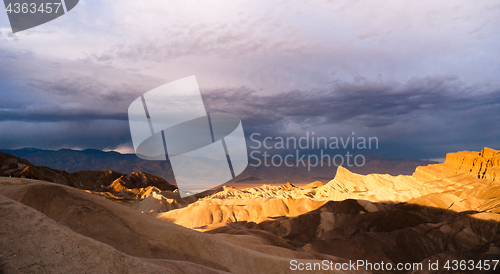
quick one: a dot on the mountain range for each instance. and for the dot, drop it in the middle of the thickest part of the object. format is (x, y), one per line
(94, 160)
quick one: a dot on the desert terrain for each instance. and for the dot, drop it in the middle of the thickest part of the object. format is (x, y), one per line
(105, 221)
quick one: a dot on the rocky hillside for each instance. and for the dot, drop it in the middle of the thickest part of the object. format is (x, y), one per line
(100, 181)
(481, 165)
(448, 211)
(443, 211)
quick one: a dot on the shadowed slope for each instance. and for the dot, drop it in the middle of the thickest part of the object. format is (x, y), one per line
(33, 243)
(396, 233)
(140, 235)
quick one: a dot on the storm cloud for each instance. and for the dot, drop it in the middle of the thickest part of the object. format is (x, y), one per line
(423, 78)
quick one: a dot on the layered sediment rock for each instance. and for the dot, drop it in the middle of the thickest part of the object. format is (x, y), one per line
(481, 165)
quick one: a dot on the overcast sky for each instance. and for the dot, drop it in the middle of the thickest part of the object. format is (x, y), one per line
(422, 76)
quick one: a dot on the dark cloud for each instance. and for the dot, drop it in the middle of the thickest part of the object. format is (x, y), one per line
(421, 118)
(371, 104)
(78, 92)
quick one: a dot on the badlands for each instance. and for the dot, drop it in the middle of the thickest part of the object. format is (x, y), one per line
(102, 222)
